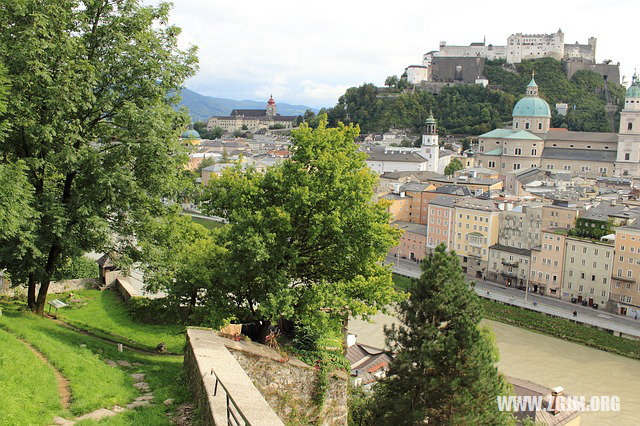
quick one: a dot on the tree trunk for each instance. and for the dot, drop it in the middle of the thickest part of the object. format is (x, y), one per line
(49, 269)
(263, 330)
(31, 292)
(42, 296)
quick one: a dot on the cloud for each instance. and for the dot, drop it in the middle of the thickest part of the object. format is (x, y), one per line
(309, 53)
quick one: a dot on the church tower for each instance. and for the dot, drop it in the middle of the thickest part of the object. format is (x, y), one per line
(628, 155)
(429, 147)
(271, 107)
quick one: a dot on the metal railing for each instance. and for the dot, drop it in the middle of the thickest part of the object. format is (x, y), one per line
(233, 411)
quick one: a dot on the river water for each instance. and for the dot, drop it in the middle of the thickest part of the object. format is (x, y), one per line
(552, 362)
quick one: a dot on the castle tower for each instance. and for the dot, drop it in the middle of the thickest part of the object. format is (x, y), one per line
(532, 113)
(429, 147)
(628, 155)
(271, 107)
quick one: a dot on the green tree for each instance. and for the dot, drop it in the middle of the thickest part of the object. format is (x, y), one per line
(453, 166)
(304, 240)
(90, 107)
(183, 259)
(391, 81)
(444, 368)
(75, 268)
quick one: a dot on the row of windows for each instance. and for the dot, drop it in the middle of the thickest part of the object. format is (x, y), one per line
(591, 289)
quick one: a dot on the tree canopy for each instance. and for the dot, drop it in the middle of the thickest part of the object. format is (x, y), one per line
(304, 239)
(453, 166)
(443, 371)
(90, 110)
(472, 109)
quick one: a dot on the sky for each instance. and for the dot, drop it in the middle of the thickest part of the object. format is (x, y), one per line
(309, 53)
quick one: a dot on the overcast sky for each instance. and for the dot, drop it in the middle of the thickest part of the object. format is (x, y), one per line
(310, 52)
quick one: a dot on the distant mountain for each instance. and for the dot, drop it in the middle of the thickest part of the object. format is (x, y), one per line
(202, 107)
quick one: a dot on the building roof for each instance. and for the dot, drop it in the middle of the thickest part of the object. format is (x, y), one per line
(568, 136)
(476, 204)
(509, 249)
(249, 112)
(413, 228)
(444, 201)
(190, 134)
(460, 190)
(602, 211)
(523, 135)
(531, 106)
(392, 196)
(496, 133)
(572, 154)
(414, 186)
(410, 157)
(493, 152)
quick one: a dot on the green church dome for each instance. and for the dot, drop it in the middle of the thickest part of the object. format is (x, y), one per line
(190, 134)
(531, 107)
(634, 90)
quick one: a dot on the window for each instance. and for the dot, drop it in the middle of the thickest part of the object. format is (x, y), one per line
(527, 125)
(534, 151)
(540, 126)
(517, 151)
(627, 156)
(629, 273)
(630, 126)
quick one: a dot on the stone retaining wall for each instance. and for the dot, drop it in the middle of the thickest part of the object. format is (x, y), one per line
(54, 287)
(206, 354)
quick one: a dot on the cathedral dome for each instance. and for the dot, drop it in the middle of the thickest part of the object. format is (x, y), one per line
(190, 134)
(531, 107)
(634, 90)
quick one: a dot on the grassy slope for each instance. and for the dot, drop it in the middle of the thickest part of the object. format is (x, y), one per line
(401, 282)
(104, 314)
(23, 377)
(94, 384)
(209, 224)
(562, 328)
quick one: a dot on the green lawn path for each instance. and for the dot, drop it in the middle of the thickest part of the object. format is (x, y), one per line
(24, 377)
(104, 313)
(80, 358)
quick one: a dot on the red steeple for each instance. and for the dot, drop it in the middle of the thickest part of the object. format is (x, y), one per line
(271, 101)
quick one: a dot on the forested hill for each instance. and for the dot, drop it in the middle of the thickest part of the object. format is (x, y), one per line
(473, 109)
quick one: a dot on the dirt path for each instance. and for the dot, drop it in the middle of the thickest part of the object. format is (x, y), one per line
(64, 388)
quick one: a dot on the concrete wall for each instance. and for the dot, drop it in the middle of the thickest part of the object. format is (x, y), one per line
(267, 386)
(206, 354)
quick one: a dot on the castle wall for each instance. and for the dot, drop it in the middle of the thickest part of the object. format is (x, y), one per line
(610, 71)
(460, 69)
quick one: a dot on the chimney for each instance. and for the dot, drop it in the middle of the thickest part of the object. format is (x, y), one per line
(557, 394)
(351, 340)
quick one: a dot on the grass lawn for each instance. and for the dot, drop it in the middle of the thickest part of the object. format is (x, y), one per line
(560, 327)
(209, 224)
(94, 384)
(105, 314)
(402, 282)
(24, 377)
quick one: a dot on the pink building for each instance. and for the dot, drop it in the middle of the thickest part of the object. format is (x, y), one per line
(440, 225)
(413, 242)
